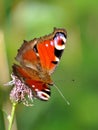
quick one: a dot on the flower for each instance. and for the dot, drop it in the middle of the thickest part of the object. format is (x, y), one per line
(20, 92)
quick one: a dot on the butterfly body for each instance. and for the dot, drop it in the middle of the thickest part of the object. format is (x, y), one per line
(38, 59)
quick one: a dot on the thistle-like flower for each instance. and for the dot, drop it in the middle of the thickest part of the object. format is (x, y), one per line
(20, 92)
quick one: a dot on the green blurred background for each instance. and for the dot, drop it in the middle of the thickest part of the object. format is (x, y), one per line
(77, 73)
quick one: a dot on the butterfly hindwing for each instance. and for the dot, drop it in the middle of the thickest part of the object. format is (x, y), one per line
(40, 89)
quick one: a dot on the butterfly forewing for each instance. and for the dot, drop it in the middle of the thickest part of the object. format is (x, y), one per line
(50, 50)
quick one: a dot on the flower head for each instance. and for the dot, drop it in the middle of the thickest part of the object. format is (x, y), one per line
(20, 92)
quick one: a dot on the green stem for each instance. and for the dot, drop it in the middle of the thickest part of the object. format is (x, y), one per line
(12, 116)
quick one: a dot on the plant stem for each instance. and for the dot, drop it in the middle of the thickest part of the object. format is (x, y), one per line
(12, 116)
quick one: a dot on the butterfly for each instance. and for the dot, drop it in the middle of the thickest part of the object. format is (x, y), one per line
(37, 60)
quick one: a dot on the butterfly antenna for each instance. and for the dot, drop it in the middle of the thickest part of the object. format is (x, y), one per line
(68, 103)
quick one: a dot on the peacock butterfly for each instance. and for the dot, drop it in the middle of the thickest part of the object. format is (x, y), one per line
(38, 59)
